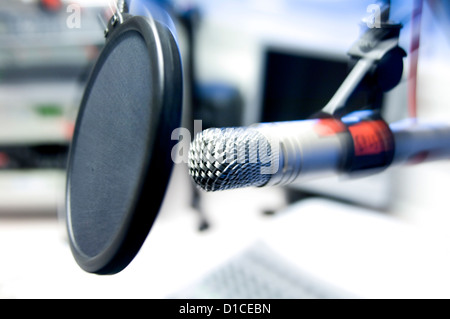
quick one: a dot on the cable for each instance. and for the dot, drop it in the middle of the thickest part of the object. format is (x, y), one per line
(416, 21)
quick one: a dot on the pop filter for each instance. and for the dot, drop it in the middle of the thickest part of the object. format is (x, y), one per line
(120, 158)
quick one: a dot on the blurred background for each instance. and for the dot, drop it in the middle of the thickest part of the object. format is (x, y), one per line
(245, 61)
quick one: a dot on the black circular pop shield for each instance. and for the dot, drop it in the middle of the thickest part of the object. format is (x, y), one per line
(120, 164)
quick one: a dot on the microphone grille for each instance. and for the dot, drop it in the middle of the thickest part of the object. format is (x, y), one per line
(229, 158)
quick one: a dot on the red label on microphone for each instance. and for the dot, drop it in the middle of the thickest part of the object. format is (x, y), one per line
(370, 138)
(329, 127)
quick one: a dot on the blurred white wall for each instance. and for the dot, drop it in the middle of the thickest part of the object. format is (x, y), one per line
(421, 192)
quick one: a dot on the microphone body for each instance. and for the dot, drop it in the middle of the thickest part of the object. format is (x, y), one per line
(270, 154)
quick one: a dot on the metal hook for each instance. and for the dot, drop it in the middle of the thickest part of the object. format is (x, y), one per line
(117, 8)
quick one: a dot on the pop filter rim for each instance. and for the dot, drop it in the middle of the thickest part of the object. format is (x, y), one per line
(165, 101)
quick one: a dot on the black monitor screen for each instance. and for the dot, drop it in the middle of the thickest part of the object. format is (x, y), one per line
(298, 85)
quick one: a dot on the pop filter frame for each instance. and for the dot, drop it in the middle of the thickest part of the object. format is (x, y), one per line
(120, 161)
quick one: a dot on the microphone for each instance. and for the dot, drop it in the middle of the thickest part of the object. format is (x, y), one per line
(280, 153)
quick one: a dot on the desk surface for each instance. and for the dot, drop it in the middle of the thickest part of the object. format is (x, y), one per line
(365, 253)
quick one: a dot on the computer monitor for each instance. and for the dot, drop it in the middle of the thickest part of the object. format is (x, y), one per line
(297, 84)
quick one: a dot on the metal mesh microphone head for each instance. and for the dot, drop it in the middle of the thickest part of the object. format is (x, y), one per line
(228, 158)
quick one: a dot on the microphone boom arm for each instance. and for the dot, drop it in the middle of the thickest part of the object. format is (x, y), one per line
(379, 59)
